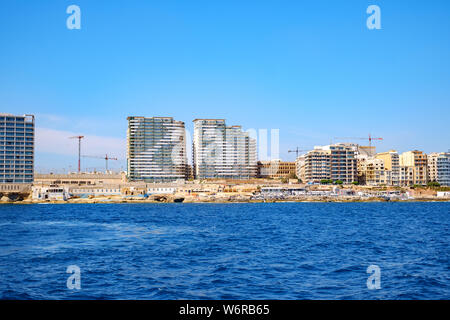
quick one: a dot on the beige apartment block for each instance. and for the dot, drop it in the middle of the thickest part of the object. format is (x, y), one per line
(418, 161)
(372, 172)
(406, 176)
(276, 169)
(391, 161)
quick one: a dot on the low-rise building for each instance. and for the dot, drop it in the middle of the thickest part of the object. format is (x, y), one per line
(276, 169)
(55, 193)
(80, 179)
(96, 191)
(443, 194)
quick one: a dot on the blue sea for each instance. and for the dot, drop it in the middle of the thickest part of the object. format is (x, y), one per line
(225, 251)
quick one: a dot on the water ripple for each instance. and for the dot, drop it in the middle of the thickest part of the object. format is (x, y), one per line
(225, 251)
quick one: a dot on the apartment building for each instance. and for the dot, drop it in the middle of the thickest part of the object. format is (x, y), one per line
(276, 169)
(406, 176)
(372, 172)
(335, 162)
(156, 149)
(16, 152)
(416, 160)
(343, 162)
(391, 160)
(221, 151)
(439, 168)
(317, 165)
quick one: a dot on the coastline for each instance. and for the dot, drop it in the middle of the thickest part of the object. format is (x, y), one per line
(146, 201)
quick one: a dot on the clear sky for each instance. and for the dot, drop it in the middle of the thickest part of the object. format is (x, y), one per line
(311, 69)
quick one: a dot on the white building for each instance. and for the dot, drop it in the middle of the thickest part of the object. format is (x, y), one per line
(443, 194)
(50, 193)
(96, 191)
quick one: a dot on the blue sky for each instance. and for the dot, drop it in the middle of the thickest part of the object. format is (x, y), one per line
(311, 69)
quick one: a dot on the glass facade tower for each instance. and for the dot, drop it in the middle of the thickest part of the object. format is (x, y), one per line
(16, 149)
(156, 149)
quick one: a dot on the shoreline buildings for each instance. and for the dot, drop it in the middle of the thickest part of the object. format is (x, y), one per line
(156, 153)
(156, 149)
(221, 151)
(16, 152)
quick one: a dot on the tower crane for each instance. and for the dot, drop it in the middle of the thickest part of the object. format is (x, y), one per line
(79, 150)
(297, 151)
(106, 158)
(370, 138)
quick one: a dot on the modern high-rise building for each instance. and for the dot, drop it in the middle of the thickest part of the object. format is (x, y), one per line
(220, 151)
(16, 152)
(334, 162)
(439, 168)
(156, 149)
(417, 160)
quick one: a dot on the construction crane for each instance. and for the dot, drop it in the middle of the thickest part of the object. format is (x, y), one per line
(106, 158)
(79, 150)
(370, 138)
(297, 151)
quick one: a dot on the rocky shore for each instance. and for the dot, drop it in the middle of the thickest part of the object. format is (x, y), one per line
(210, 199)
